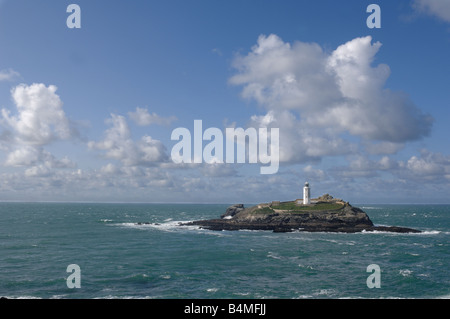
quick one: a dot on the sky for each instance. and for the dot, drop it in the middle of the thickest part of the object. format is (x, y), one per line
(87, 114)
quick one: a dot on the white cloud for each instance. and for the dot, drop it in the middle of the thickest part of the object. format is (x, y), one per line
(110, 169)
(283, 76)
(428, 168)
(143, 118)
(438, 8)
(23, 156)
(119, 145)
(421, 166)
(26, 155)
(40, 119)
(428, 165)
(314, 97)
(38, 171)
(300, 142)
(9, 75)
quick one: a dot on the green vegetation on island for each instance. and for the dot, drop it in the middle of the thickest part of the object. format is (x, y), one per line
(320, 206)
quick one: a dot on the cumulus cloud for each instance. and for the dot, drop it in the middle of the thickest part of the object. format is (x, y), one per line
(119, 145)
(143, 118)
(279, 75)
(438, 8)
(299, 142)
(30, 155)
(39, 121)
(428, 165)
(40, 116)
(314, 96)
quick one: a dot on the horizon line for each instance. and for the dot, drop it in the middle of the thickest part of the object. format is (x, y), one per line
(189, 203)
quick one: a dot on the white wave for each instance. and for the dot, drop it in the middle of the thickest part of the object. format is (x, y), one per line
(212, 290)
(430, 232)
(173, 226)
(405, 272)
(309, 267)
(22, 297)
(127, 297)
(166, 226)
(272, 255)
(325, 292)
(426, 232)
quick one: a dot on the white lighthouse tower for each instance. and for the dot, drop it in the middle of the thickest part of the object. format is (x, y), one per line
(306, 194)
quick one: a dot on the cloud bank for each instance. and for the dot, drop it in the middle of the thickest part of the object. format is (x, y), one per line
(317, 97)
(326, 104)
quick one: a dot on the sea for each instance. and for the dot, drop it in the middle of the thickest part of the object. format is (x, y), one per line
(119, 258)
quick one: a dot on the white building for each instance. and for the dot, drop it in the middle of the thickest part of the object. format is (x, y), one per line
(306, 194)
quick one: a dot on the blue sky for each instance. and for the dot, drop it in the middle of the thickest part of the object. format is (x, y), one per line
(87, 114)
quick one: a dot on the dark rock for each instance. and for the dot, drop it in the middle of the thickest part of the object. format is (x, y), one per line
(394, 229)
(233, 210)
(326, 197)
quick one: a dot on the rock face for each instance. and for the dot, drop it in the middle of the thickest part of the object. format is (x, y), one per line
(232, 210)
(346, 219)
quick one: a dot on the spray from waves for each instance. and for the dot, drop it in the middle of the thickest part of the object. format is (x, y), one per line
(426, 232)
(168, 226)
(22, 297)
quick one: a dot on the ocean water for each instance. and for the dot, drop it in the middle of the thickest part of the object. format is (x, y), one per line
(119, 259)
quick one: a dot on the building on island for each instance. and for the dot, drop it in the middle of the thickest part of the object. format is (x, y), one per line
(306, 194)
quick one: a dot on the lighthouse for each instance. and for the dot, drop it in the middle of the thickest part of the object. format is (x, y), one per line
(306, 194)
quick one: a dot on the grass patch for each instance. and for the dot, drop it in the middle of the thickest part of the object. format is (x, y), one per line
(314, 207)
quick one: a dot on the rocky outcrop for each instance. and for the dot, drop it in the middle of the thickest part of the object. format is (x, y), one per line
(232, 210)
(346, 219)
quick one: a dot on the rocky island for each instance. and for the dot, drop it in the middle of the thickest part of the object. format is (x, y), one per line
(322, 214)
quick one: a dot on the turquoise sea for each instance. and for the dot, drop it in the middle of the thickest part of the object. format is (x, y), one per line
(119, 259)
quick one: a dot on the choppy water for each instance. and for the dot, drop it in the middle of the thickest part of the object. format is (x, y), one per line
(119, 259)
